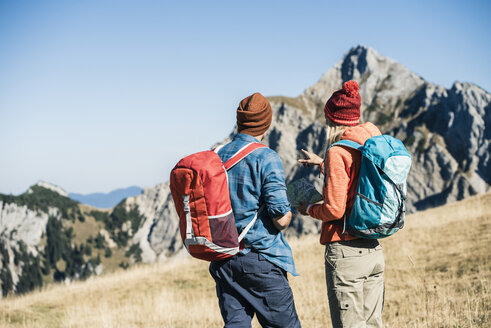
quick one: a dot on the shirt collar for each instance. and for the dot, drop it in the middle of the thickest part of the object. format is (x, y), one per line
(245, 137)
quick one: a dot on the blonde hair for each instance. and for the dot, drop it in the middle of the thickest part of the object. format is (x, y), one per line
(334, 132)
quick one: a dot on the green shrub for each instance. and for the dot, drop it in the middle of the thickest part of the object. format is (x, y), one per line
(410, 141)
(88, 250)
(57, 243)
(100, 216)
(5, 274)
(99, 241)
(135, 252)
(108, 252)
(421, 145)
(124, 265)
(373, 107)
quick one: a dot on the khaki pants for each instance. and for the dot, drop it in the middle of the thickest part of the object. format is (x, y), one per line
(355, 283)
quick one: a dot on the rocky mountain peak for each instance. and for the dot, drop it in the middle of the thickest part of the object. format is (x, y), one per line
(51, 187)
(361, 59)
(384, 83)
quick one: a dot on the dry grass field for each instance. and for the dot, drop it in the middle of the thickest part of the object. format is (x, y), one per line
(437, 275)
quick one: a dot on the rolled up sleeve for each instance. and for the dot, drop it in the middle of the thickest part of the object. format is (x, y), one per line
(273, 186)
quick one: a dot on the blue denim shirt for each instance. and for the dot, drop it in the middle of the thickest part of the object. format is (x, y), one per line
(256, 182)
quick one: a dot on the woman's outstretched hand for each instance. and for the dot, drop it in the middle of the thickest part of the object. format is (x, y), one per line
(310, 159)
(303, 208)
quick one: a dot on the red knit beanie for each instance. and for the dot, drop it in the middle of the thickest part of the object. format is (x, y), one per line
(344, 105)
(254, 115)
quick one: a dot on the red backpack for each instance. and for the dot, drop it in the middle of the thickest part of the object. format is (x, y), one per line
(199, 187)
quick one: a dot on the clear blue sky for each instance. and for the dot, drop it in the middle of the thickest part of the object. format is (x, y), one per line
(97, 95)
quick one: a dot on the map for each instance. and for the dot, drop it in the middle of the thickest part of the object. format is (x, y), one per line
(302, 190)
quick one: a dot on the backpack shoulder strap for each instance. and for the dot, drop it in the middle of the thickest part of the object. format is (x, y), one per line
(248, 227)
(236, 158)
(241, 154)
(345, 143)
(348, 143)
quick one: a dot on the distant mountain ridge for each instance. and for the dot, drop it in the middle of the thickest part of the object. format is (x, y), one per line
(106, 200)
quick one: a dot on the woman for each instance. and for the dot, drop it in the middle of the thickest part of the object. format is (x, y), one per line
(354, 266)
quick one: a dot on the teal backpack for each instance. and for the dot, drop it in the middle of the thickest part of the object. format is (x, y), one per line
(379, 206)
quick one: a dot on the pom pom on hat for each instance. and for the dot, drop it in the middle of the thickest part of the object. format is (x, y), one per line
(351, 88)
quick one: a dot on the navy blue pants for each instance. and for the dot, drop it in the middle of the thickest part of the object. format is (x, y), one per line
(249, 284)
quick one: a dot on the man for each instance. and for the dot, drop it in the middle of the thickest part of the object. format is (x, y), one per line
(254, 281)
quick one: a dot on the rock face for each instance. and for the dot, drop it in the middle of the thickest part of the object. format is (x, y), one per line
(449, 134)
(157, 237)
(447, 131)
(19, 224)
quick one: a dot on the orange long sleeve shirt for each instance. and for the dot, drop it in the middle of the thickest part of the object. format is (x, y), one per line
(342, 169)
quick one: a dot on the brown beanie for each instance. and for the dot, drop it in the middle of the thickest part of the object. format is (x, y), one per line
(254, 115)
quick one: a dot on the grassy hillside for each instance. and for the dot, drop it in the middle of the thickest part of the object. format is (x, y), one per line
(437, 275)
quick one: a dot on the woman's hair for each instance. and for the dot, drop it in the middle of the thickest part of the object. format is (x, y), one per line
(334, 132)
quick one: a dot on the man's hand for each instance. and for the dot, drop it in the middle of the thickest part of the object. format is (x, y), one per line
(303, 208)
(310, 159)
(282, 222)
